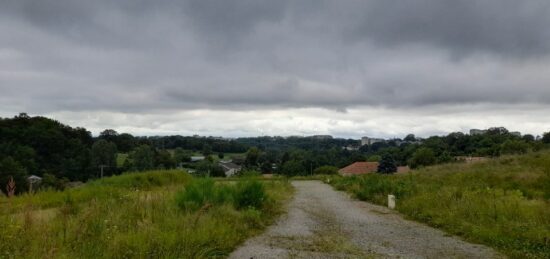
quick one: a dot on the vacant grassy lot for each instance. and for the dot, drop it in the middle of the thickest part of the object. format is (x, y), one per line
(503, 203)
(163, 214)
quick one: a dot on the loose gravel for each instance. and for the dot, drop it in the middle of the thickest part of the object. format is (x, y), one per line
(323, 223)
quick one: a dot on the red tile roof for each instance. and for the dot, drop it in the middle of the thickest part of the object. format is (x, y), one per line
(359, 168)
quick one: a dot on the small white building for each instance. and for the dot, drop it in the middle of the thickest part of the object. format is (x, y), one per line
(197, 158)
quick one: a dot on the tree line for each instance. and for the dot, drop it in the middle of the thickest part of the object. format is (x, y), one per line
(59, 153)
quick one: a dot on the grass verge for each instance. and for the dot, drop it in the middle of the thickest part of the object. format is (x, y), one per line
(503, 203)
(134, 216)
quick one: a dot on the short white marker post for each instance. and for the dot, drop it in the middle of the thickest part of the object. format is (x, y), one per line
(391, 201)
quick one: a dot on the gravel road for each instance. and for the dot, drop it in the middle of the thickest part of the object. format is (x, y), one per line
(323, 223)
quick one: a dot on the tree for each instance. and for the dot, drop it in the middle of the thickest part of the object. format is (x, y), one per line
(104, 155)
(125, 142)
(387, 165)
(11, 168)
(50, 181)
(422, 157)
(252, 156)
(514, 147)
(528, 138)
(216, 171)
(410, 138)
(546, 138)
(203, 168)
(293, 168)
(181, 156)
(444, 157)
(142, 158)
(206, 150)
(164, 160)
(41, 145)
(374, 158)
(266, 167)
(109, 135)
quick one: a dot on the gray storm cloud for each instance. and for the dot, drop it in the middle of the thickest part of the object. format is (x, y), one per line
(131, 56)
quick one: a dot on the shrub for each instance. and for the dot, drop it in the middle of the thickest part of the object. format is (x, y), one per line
(422, 157)
(197, 194)
(387, 165)
(326, 170)
(249, 173)
(243, 195)
(250, 194)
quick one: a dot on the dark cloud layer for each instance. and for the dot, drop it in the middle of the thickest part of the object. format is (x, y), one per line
(136, 55)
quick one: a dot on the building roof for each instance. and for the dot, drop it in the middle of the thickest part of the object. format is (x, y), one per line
(229, 166)
(34, 177)
(359, 168)
(197, 158)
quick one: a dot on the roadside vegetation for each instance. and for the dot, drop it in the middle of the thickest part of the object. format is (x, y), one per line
(156, 214)
(503, 203)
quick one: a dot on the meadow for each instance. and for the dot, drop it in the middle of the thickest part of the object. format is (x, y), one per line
(503, 203)
(157, 214)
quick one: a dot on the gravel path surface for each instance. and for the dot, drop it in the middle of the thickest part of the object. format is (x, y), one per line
(323, 223)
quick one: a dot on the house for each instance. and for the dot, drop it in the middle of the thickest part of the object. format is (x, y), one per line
(197, 158)
(229, 168)
(350, 148)
(358, 168)
(34, 179)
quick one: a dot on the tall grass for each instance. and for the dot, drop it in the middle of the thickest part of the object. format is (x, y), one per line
(138, 217)
(503, 203)
(246, 194)
(110, 187)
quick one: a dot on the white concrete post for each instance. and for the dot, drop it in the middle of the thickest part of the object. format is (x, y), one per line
(391, 201)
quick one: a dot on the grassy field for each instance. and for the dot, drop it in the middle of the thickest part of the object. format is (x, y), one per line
(162, 214)
(503, 203)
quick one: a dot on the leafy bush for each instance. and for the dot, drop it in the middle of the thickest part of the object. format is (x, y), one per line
(250, 194)
(202, 191)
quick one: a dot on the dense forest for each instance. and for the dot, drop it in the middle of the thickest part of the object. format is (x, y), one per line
(60, 154)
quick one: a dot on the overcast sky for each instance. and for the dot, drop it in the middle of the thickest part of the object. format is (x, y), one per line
(262, 67)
